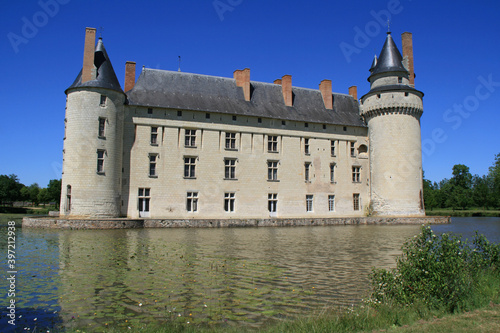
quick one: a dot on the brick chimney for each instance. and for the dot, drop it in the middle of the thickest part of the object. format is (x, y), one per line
(407, 40)
(242, 78)
(88, 72)
(353, 91)
(326, 91)
(277, 81)
(286, 87)
(129, 75)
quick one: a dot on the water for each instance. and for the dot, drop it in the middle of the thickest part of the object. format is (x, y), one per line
(247, 276)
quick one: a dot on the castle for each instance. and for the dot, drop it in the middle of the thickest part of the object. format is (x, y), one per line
(174, 145)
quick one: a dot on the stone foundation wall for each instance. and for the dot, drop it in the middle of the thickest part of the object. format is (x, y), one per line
(58, 223)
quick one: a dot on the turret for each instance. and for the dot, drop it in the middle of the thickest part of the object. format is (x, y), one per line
(392, 109)
(92, 155)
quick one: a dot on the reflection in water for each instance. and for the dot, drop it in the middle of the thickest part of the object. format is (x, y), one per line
(94, 278)
(128, 277)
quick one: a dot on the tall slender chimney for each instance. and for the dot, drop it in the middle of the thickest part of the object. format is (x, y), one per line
(129, 75)
(326, 91)
(407, 40)
(88, 72)
(353, 91)
(242, 78)
(286, 87)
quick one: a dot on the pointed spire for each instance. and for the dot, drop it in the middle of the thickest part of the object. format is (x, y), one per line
(390, 60)
(105, 74)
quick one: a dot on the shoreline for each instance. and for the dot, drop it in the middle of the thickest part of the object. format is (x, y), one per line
(125, 223)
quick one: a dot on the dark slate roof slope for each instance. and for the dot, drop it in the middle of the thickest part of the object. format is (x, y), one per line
(106, 77)
(185, 91)
(390, 60)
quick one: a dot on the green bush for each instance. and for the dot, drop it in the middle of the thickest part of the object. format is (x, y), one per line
(441, 272)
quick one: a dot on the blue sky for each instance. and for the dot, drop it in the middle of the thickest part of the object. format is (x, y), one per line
(456, 56)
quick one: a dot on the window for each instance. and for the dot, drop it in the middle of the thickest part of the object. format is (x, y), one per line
(143, 197)
(307, 167)
(150, 111)
(229, 168)
(272, 170)
(306, 124)
(309, 203)
(259, 120)
(356, 174)
(332, 147)
(230, 140)
(355, 201)
(332, 173)
(102, 127)
(234, 118)
(353, 149)
(100, 160)
(154, 136)
(192, 202)
(272, 202)
(306, 146)
(189, 167)
(179, 113)
(400, 79)
(207, 115)
(190, 138)
(331, 203)
(272, 143)
(68, 198)
(152, 165)
(283, 123)
(103, 100)
(229, 202)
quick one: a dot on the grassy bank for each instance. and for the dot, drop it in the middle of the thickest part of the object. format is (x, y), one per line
(463, 213)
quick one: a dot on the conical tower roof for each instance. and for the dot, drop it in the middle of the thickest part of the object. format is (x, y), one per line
(105, 74)
(390, 60)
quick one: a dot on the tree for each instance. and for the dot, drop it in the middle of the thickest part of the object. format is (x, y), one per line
(494, 175)
(54, 191)
(30, 193)
(460, 193)
(44, 196)
(430, 195)
(482, 191)
(10, 188)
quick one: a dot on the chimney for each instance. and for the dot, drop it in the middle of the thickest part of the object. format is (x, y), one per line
(277, 81)
(286, 87)
(129, 75)
(242, 78)
(88, 72)
(353, 91)
(406, 38)
(326, 91)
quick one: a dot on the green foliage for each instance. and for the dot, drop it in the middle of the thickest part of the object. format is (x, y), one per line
(440, 272)
(10, 188)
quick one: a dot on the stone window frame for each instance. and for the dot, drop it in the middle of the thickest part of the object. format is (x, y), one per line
(153, 163)
(356, 174)
(190, 167)
(307, 146)
(307, 172)
(230, 168)
(229, 202)
(101, 156)
(332, 173)
(154, 136)
(101, 131)
(333, 146)
(103, 100)
(331, 202)
(192, 201)
(272, 144)
(230, 142)
(190, 138)
(309, 203)
(272, 170)
(356, 201)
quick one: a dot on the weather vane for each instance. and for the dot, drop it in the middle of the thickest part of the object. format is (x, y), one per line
(179, 63)
(388, 25)
(101, 29)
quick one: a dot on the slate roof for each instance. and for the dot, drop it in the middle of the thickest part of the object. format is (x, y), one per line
(389, 60)
(106, 77)
(186, 91)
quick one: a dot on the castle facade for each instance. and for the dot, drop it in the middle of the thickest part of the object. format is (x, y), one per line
(174, 145)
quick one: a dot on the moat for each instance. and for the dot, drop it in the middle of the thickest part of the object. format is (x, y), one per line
(230, 276)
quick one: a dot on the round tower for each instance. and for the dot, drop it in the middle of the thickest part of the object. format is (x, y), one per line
(392, 109)
(92, 155)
